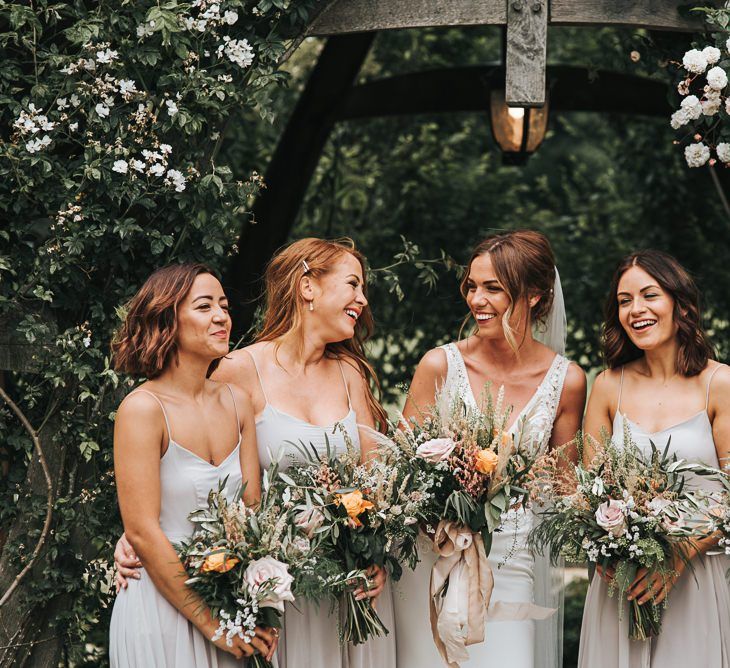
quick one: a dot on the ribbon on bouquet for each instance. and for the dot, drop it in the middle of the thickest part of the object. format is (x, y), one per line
(460, 591)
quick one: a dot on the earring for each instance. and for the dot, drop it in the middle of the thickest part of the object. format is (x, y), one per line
(311, 305)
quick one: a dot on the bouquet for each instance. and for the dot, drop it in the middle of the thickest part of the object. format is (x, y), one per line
(245, 562)
(365, 515)
(625, 510)
(474, 470)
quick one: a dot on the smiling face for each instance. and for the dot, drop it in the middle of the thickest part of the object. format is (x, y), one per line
(337, 297)
(645, 310)
(204, 325)
(488, 301)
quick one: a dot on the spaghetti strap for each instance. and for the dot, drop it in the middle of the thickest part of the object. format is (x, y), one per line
(162, 406)
(347, 389)
(258, 375)
(709, 382)
(620, 390)
(235, 408)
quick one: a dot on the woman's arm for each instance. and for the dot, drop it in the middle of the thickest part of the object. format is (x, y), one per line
(429, 376)
(570, 414)
(598, 414)
(138, 433)
(248, 453)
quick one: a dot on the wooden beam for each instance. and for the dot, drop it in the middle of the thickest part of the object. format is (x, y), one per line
(349, 16)
(467, 89)
(649, 14)
(526, 52)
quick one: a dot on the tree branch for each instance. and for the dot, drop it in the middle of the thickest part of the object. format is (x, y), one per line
(49, 484)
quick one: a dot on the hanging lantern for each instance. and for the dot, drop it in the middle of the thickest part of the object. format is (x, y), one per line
(518, 131)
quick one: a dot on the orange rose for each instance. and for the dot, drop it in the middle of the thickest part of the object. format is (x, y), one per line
(354, 505)
(217, 562)
(486, 461)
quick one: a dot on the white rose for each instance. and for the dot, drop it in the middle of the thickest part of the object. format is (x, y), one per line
(436, 450)
(611, 517)
(696, 155)
(309, 521)
(711, 54)
(711, 107)
(272, 571)
(717, 78)
(679, 118)
(723, 151)
(692, 106)
(694, 61)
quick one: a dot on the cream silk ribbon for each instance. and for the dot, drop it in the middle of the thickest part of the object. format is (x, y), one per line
(458, 614)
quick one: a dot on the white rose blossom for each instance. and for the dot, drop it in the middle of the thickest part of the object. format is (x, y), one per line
(270, 570)
(692, 106)
(679, 118)
(712, 54)
(238, 51)
(717, 78)
(697, 154)
(723, 151)
(175, 178)
(694, 61)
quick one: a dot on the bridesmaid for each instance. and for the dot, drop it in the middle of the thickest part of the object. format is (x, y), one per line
(308, 376)
(662, 382)
(177, 326)
(511, 286)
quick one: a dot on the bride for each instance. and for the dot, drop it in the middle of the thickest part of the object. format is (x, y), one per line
(512, 289)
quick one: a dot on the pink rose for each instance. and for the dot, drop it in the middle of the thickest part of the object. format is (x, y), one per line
(436, 450)
(308, 521)
(610, 516)
(270, 570)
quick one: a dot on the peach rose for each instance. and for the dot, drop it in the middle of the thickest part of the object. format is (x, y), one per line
(217, 562)
(354, 504)
(486, 461)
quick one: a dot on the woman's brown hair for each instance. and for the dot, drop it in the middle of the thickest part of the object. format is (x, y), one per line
(284, 305)
(524, 264)
(694, 346)
(147, 340)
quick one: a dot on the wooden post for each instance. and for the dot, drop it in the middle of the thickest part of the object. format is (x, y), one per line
(526, 52)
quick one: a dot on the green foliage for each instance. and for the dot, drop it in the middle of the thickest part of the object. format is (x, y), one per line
(601, 186)
(112, 117)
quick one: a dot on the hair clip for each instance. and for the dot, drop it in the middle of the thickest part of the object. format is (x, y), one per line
(306, 266)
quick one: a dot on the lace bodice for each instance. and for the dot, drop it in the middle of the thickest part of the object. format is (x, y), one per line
(536, 418)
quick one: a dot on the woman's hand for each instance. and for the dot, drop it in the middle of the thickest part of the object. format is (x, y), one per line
(376, 576)
(606, 575)
(654, 588)
(264, 642)
(126, 563)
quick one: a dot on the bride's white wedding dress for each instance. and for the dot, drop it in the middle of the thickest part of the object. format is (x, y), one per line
(518, 576)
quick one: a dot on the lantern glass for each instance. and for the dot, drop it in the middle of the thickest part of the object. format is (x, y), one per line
(517, 129)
